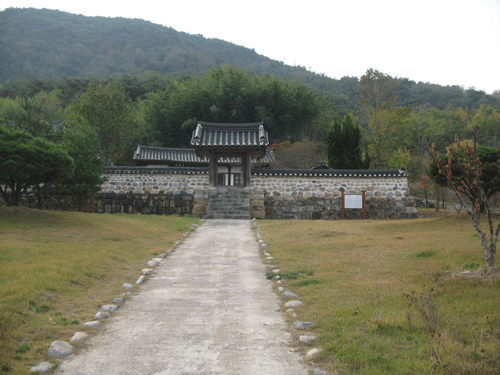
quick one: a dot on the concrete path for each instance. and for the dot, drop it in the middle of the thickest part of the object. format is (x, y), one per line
(208, 309)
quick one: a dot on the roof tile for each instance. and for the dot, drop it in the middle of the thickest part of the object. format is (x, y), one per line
(210, 134)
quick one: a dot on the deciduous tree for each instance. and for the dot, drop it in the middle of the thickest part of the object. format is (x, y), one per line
(108, 111)
(387, 132)
(460, 153)
(378, 90)
(299, 155)
(488, 118)
(468, 176)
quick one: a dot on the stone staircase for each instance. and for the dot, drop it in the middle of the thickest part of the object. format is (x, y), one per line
(228, 203)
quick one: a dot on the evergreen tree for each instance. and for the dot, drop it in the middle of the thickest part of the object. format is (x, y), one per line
(26, 162)
(82, 144)
(343, 141)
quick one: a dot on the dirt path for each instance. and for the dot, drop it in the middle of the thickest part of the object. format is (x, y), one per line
(208, 309)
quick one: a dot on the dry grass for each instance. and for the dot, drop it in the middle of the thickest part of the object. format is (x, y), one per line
(58, 268)
(361, 272)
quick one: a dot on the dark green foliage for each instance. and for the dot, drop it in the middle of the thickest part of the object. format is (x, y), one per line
(48, 46)
(30, 118)
(68, 45)
(26, 161)
(82, 144)
(231, 95)
(343, 142)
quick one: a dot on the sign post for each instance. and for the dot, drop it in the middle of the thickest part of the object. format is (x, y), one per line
(353, 202)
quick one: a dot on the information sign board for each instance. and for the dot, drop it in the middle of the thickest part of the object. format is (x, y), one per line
(353, 201)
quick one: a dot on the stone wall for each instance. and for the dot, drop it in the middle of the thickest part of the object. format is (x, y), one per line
(330, 187)
(320, 197)
(274, 194)
(154, 180)
(169, 203)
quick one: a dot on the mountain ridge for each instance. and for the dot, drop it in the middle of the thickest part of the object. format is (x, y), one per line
(42, 43)
(101, 46)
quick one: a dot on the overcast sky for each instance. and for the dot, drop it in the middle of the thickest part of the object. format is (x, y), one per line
(448, 42)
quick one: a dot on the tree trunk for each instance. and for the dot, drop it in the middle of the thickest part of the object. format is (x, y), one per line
(489, 251)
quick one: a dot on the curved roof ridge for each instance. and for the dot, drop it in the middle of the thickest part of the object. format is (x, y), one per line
(231, 125)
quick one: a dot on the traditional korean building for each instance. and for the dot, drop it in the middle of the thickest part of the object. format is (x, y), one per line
(229, 151)
(228, 173)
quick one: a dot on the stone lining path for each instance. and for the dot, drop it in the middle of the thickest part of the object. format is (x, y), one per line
(207, 309)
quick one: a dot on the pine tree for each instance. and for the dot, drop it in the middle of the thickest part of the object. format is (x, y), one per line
(343, 142)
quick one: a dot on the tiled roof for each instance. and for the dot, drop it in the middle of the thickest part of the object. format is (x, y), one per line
(331, 172)
(155, 170)
(187, 156)
(262, 172)
(210, 134)
(176, 155)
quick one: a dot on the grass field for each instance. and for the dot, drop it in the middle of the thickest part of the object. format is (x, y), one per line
(57, 269)
(390, 297)
(386, 297)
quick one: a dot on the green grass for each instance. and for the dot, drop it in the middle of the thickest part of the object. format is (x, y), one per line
(425, 254)
(471, 266)
(57, 268)
(390, 296)
(305, 282)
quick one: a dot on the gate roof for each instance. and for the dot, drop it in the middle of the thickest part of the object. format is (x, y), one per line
(223, 135)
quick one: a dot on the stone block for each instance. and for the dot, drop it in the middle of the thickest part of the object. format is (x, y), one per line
(258, 214)
(198, 209)
(411, 210)
(60, 349)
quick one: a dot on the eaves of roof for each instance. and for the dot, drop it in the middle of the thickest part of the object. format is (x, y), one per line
(160, 155)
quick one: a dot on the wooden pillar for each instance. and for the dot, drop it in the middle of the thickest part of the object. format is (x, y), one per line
(364, 204)
(343, 204)
(246, 170)
(212, 169)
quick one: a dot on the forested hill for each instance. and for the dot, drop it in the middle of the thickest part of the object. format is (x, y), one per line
(48, 44)
(40, 43)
